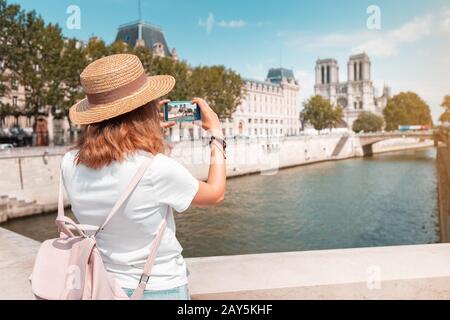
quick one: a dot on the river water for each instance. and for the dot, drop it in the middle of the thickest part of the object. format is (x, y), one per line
(387, 199)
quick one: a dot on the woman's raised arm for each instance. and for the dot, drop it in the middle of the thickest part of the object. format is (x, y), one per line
(212, 191)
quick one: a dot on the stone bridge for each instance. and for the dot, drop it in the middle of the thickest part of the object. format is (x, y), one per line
(367, 140)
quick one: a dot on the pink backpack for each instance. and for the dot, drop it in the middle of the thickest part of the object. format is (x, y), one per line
(70, 267)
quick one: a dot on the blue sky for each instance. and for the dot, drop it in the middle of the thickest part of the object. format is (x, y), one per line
(411, 51)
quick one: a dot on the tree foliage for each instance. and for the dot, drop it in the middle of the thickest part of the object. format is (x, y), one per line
(406, 108)
(320, 113)
(445, 117)
(49, 66)
(368, 122)
(10, 22)
(73, 61)
(221, 87)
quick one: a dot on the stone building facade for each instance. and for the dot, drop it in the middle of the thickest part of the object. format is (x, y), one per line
(270, 107)
(355, 95)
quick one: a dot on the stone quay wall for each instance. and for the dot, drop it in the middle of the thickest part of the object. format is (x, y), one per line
(30, 176)
(398, 272)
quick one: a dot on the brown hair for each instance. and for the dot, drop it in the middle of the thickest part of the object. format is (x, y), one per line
(116, 138)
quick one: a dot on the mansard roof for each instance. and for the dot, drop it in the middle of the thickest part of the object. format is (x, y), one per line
(129, 33)
(277, 75)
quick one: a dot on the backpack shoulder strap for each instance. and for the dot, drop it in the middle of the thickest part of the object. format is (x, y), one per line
(139, 291)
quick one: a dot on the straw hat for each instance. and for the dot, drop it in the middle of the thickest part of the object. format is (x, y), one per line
(115, 85)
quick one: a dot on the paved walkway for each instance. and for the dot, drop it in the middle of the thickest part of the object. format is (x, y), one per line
(399, 272)
(16, 262)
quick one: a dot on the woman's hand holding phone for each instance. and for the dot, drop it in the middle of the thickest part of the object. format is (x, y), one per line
(164, 125)
(210, 120)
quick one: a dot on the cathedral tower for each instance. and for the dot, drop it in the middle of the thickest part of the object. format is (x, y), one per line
(327, 72)
(359, 68)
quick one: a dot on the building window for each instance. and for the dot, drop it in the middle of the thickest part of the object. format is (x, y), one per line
(360, 104)
(328, 74)
(249, 120)
(14, 84)
(360, 71)
(14, 101)
(355, 104)
(323, 74)
(355, 74)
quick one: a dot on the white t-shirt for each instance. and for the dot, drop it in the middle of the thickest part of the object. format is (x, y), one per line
(125, 242)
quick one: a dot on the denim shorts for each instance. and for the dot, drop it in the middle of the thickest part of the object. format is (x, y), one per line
(178, 293)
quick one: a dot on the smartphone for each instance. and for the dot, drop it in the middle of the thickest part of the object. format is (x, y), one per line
(181, 111)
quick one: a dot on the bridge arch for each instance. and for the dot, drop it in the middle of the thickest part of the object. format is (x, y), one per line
(368, 140)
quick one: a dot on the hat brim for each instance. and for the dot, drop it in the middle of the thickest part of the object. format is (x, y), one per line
(85, 113)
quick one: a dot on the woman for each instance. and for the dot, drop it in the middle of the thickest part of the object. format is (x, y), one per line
(121, 114)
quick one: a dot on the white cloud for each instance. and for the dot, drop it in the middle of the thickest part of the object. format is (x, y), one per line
(375, 43)
(258, 69)
(306, 81)
(412, 31)
(232, 24)
(387, 44)
(445, 23)
(211, 22)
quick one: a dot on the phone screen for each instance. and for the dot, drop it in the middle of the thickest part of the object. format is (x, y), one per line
(181, 111)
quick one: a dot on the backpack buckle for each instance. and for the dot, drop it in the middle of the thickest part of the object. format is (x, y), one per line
(144, 278)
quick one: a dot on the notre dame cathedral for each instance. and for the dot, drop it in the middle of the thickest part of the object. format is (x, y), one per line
(355, 95)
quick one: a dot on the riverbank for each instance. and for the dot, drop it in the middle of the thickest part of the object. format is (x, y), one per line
(30, 177)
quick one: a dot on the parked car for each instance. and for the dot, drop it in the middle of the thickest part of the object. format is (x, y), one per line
(6, 146)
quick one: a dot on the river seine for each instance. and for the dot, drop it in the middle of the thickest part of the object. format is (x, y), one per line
(384, 200)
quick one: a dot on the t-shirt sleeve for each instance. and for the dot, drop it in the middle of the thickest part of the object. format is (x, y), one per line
(174, 185)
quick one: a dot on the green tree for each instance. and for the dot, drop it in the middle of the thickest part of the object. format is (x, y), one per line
(31, 69)
(445, 117)
(73, 61)
(368, 122)
(119, 47)
(320, 113)
(406, 108)
(222, 88)
(180, 71)
(11, 18)
(40, 52)
(95, 49)
(145, 55)
(53, 44)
